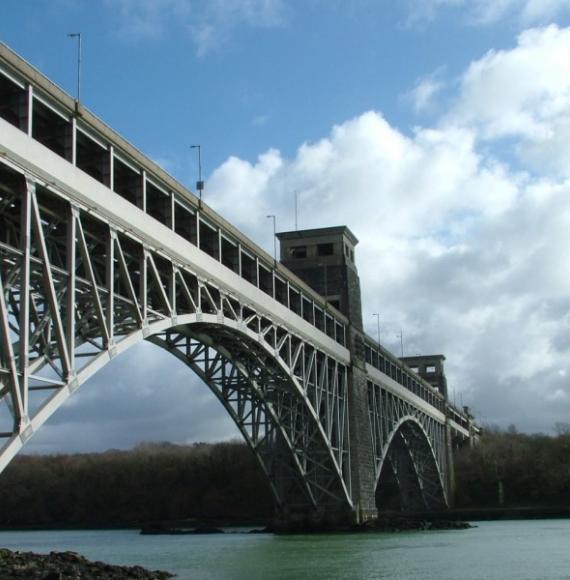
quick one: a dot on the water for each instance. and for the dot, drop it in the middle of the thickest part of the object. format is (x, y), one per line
(528, 550)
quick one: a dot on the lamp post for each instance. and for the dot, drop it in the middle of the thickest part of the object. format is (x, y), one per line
(78, 36)
(274, 236)
(199, 183)
(296, 210)
(377, 325)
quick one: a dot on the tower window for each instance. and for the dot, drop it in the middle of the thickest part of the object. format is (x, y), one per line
(325, 249)
(298, 252)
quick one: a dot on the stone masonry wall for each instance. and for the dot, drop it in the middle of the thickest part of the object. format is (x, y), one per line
(362, 457)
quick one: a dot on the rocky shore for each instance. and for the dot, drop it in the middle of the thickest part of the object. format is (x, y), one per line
(68, 566)
(403, 524)
(385, 523)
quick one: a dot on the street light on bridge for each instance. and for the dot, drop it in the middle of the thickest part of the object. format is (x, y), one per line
(274, 236)
(78, 36)
(199, 183)
(377, 324)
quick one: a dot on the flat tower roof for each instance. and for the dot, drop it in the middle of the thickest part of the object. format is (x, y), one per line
(317, 232)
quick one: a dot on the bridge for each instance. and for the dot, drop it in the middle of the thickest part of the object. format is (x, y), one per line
(101, 249)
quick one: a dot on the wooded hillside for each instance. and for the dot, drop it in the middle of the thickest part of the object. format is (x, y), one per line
(513, 469)
(151, 482)
(222, 481)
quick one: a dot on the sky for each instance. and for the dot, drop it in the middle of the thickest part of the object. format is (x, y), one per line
(438, 131)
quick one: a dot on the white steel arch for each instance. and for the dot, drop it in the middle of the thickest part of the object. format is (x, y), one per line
(76, 293)
(402, 433)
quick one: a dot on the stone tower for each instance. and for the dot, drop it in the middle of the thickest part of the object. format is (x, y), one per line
(430, 368)
(324, 259)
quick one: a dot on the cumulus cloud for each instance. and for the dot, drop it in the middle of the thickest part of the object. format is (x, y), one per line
(462, 247)
(424, 93)
(209, 24)
(523, 94)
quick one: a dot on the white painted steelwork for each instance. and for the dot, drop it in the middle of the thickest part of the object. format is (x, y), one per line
(100, 249)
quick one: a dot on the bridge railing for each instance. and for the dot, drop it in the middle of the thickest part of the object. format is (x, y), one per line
(463, 419)
(34, 104)
(392, 366)
(383, 360)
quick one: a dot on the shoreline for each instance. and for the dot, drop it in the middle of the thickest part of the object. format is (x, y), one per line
(493, 514)
(462, 514)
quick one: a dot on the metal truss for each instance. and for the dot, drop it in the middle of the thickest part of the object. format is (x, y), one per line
(75, 292)
(412, 444)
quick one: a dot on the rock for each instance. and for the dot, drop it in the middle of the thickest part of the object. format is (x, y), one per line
(265, 530)
(449, 525)
(208, 530)
(68, 566)
(402, 524)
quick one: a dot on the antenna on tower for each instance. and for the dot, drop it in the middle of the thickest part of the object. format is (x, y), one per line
(296, 210)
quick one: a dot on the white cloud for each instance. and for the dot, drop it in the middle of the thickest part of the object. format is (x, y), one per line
(210, 24)
(519, 92)
(462, 247)
(423, 94)
(241, 188)
(522, 98)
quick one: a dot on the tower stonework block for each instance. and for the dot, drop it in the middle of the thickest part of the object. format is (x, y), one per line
(362, 455)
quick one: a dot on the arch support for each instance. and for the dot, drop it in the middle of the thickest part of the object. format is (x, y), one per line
(75, 293)
(409, 447)
(413, 464)
(263, 402)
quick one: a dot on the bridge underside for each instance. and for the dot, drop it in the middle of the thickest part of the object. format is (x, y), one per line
(409, 479)
(410, 449)
(75, 293)
(262, 400)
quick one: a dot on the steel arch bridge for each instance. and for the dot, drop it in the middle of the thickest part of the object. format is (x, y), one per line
(101, 249)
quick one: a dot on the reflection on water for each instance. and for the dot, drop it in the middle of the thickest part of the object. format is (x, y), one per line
(529, 550)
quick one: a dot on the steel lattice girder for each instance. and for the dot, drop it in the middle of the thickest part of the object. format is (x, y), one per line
(76, 292)
(404, 435)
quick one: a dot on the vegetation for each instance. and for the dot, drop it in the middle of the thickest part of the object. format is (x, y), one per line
(151, 482)
(157, 482)
(512, 469)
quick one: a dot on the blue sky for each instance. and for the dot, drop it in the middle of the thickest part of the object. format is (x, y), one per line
(437, 130)
(282, 76)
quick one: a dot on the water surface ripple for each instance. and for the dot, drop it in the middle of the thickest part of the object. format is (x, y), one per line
(512, 550)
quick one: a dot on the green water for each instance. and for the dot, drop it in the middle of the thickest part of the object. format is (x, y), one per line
(494, 550)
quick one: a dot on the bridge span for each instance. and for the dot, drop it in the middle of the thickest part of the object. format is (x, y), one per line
(100, 249)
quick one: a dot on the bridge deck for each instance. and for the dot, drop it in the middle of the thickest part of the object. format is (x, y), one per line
(46, 113)
(43, 111)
